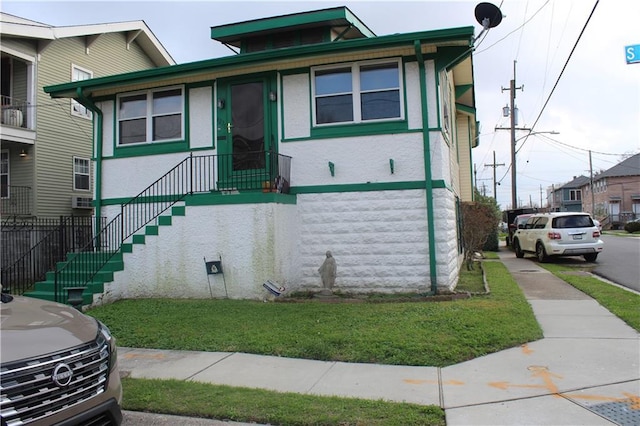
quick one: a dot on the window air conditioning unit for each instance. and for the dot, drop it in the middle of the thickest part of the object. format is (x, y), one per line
(78, 202)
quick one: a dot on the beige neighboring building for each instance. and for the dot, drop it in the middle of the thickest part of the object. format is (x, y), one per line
(46, 167)
(616, 194)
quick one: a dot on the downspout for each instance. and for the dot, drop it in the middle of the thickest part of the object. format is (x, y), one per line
(427, 167)
(86, 102)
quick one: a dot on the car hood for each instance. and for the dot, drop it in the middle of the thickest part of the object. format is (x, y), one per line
(30, 327)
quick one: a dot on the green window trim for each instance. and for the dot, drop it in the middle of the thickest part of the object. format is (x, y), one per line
(158, 147)
(359, 129)
(150, 115)
(358, 90)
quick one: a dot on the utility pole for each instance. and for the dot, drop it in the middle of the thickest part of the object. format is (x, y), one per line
(540, 196)
(512, 92)
(494, 165)
(593, 201)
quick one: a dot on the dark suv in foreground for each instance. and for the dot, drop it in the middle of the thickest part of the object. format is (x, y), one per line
(59, 366)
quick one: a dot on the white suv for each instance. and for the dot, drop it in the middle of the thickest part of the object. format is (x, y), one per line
(558, 234)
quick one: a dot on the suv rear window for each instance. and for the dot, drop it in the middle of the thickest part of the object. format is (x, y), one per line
(572, 222)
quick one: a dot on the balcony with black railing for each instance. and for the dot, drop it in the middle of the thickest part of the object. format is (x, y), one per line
(14, 112)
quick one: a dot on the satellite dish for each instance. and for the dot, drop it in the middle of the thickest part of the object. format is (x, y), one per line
(488, 15)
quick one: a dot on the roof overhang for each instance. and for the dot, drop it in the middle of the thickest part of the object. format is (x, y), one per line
(135, 30)
(431, 41)
(339, 18)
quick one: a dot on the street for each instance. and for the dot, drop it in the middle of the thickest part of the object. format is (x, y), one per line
(620, 261)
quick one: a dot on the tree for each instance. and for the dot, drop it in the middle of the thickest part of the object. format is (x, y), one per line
(479, 221)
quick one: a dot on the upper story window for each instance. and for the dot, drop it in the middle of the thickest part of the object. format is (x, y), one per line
(575, 195)
(151, 116)
(4, 174)
(79, 74)
(81, 174)
(357, 93)
(445, 101)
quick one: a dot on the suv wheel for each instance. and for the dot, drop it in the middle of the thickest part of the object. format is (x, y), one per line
(591, 257)
(517, 249)
(541, 254)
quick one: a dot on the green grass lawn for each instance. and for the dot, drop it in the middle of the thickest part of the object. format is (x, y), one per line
(402, 333)
(266, 407)
(412, 333)
(622, 303)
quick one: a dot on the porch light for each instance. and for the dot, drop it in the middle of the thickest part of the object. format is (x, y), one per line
(23, 153)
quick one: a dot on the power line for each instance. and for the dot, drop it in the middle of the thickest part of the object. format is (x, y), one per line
(523, 24)
(565, 66)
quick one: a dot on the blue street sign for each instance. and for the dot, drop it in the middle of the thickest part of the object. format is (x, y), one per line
(633, 54)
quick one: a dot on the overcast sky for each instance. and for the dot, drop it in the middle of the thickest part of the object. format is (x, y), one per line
(595, 105)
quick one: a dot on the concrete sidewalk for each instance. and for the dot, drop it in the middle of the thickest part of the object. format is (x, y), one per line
(586, 369)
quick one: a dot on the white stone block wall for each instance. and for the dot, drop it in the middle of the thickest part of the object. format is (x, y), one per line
(448, 260)
(379, 240)
(255, 243)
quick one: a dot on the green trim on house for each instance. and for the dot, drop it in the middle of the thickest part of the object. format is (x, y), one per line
(151, 149)
(427, 168)
(335, 17)
(242, 198)
(257, 197)
(354, 131)
(462, 89)
(339, 17)
(98, 123)
(461, 34)
(359, 129)
(450, 56)
(358, 187)
(441, 184)
(214, 198)
(466, 109)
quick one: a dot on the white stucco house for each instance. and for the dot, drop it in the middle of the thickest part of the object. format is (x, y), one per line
(317, 135)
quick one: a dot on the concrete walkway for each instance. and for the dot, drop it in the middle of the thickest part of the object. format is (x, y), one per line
(585, 371)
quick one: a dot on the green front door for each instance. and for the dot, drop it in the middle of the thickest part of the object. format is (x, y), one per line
(244, 133)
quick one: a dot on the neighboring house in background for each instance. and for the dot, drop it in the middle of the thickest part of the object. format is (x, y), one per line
(568, 197)
(46, 152)
(318, 135)
(616, 193)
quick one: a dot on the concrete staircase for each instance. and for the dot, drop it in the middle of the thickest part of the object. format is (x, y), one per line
(103, 273)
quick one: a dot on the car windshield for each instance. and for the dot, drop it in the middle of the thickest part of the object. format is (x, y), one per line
(573, 222)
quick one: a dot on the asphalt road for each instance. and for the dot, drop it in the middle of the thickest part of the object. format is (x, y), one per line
(620, 261)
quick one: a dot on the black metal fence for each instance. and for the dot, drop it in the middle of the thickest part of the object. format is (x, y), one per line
(32, 246)
(15, 200)
(264, 171)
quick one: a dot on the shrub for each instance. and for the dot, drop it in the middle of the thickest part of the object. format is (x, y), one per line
(632, 227)
(493, 242)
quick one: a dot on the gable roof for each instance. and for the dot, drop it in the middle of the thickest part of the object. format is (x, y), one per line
(17, 27)
(628, 167)
(577, 182)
